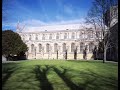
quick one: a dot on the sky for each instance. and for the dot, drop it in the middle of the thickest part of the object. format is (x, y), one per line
(43, 12)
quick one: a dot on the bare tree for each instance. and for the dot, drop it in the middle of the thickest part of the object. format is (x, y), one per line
(97, 16)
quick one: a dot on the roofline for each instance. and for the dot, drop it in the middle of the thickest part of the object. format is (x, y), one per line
(53, 31)
(69, 30)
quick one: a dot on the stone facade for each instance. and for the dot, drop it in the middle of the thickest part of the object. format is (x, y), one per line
(111, 21)
(54, 44)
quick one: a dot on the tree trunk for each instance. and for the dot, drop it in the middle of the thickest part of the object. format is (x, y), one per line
(105, 52)
(57, 54)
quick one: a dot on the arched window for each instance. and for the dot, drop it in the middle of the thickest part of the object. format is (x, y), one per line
(81, 47)
(32, 48)
(65, 36)
(72, 47)
(55, 47)
(57, 36)
(47, 47)
(50, 36)
(91, 34)
(43, 37)
(73, 35)
(40, 47)
(64, 47)
(91, 47)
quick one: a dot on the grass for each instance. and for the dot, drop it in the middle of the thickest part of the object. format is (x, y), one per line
(59, 75)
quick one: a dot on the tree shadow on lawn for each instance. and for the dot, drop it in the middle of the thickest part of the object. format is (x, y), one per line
(89, 79)
(96, 81)
(66, 79)
(92, 80)
(41, 75)
(7, 71)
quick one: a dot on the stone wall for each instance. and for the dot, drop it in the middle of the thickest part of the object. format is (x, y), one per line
(64, 37)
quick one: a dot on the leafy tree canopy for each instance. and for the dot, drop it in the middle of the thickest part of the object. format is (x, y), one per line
(12, 43)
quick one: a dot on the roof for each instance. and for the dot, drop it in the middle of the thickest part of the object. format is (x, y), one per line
(55, 28)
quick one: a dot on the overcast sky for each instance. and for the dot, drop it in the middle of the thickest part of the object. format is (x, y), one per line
(45, 12)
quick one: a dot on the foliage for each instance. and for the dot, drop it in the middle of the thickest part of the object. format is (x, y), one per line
(57, 74)
(12, 43)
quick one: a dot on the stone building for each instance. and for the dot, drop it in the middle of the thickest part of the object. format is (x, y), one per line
(53, 42)
(111, 21)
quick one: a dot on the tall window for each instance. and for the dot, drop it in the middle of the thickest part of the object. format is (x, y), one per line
(82, 35)
(73, 35)
(43, 37)
(50, 36)
(91, 32)
(43, 49)
(40, 47)
(91, 47)
(65, 36)
(55, 47)
(64, 47)
(72, 47)
(81, 47)
(57, 36)
(47, 47)
(32, 48)
(79, 35)
(88, 35)
(30, 37)
(36, 37)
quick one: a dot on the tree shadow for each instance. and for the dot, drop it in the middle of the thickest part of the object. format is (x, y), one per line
(7, 71)
(41, 75)
(96, 81)
(66, 79)
(90, 80)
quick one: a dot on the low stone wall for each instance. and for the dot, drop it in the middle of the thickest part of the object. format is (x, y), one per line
(60, 56)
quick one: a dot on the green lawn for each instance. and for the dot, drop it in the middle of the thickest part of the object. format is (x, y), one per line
(59, 75)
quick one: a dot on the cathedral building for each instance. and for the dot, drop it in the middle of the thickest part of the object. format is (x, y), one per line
(59, 41)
